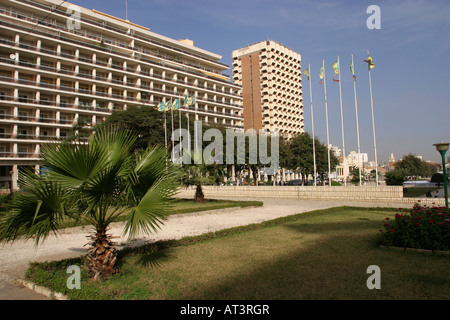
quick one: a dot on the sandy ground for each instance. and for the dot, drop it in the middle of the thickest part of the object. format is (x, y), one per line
(15, 257)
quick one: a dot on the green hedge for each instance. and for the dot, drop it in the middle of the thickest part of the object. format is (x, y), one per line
(421, 227)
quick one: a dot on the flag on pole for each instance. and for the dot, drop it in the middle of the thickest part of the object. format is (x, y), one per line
(161, 107)
(321, 75)
(191, 100)
(176, 104)
(306, 72)
(352, 69)
(370, 63)
(336, 70)
(167, 106)
(186, 100)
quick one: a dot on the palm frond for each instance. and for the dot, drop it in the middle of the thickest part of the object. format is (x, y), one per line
(36, 213)
(161, 182)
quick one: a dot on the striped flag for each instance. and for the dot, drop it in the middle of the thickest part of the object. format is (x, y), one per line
(176, 104)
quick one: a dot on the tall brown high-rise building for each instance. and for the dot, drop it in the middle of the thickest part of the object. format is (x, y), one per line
(270, 76)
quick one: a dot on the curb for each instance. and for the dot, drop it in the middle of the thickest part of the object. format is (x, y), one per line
(42, 290)
(446, 253)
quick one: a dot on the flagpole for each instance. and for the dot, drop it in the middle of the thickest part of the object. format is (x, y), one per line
(357, 122)
(312, 121)
(179, 120)
(165, 127)
(373, 126)
(171, 134)
(189, 133)
(326, 115)
(342, 121)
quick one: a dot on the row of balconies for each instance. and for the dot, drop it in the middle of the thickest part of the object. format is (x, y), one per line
(53, 103)
(128, 84)
(107, 42)
(70, 56)
(4, 117)
(35, 137)
(45, 119)
(86, 90)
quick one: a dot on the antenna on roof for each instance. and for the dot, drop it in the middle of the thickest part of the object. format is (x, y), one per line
(126, 10)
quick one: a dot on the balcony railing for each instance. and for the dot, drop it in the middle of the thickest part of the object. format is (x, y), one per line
(53, 103)
(94, 93)
(126, 56)
(7, 154)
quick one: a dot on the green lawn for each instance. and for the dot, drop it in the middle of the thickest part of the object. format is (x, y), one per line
(318, 255)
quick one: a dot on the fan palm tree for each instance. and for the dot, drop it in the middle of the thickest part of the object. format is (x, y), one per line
(97, 182)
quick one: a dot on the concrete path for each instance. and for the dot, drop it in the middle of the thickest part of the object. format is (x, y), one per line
(15, 257)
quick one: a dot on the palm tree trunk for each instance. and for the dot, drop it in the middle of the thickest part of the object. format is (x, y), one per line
(199, 195)
(102, 255)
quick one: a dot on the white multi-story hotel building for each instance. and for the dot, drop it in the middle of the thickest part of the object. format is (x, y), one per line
(60, 63)
(270, 76)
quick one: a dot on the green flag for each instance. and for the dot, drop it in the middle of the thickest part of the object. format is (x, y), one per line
(352, 69)
(161, 107)
(306, 72)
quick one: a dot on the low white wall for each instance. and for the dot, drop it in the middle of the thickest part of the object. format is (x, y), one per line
(355, 193)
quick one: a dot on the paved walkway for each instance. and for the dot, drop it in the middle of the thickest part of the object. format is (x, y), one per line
(15, 257)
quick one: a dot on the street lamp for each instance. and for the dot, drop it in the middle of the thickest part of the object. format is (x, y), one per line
(442, 148)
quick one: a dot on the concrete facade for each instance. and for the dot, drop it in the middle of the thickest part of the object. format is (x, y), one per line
(61, 63)
(270, 76)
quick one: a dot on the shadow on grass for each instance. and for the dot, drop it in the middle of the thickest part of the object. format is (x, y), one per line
(331, 266)
(154, 260)
(335, 268)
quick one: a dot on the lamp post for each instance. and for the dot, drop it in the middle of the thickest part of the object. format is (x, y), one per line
(442, 148)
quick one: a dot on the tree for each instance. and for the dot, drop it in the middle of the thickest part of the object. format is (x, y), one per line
(146, 122)
(355, 175)
(414, 166)
(395, 177)
(437, 178)
(95, 182)
(297, 154)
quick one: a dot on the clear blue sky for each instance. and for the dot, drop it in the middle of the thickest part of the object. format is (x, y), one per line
(410, 81)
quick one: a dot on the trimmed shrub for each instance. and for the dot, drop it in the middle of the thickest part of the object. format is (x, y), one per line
(421, 227)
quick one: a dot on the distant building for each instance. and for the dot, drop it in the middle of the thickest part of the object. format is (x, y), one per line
(270, 76)
(355, 159)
